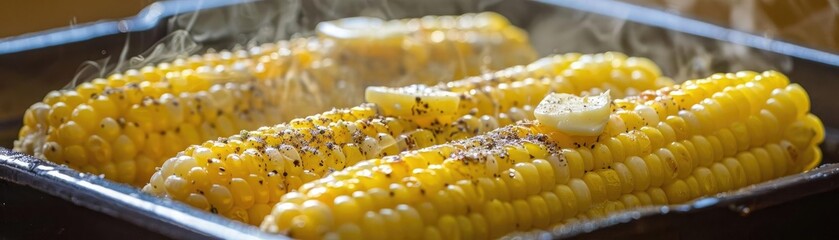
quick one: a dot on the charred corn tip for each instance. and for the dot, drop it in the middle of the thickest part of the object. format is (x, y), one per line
(117, 126)
(276, 160)
(662, 147)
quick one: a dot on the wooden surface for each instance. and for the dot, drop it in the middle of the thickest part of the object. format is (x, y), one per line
(813, 23)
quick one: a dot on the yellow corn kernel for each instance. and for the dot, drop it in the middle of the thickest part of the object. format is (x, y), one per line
(738, 174)
(596, 186)
(658, 196)
(349, 231)
(677, 192)
(708, 184)
(750, 166)
(393, 223)
(693, 186)
(547, 178)
(575, 163)
(531, 177)
(658, 170)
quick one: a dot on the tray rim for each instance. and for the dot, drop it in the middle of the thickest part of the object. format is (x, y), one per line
(683, 24)
(146, 19)
(743, 201)
(121, 201)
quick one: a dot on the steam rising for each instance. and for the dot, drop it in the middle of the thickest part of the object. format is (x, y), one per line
(552, 30)
(680, 56)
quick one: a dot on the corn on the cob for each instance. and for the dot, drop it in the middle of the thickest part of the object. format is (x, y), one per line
(126, 125)
(242, 176)
(664, 147)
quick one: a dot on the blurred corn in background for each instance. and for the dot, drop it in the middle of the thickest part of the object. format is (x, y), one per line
(124, 125)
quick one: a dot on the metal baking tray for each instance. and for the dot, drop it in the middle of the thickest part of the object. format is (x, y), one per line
(39, 199)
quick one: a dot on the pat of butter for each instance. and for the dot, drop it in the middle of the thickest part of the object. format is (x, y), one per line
(575, 115)
(360, 28)
(413, 101)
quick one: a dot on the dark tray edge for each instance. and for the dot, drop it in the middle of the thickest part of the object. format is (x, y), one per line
(122, 201)
(743, 201)
(152, 213)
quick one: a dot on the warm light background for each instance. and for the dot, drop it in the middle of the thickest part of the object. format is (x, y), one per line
(813, 23)
(809, 22)
(24, 16)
